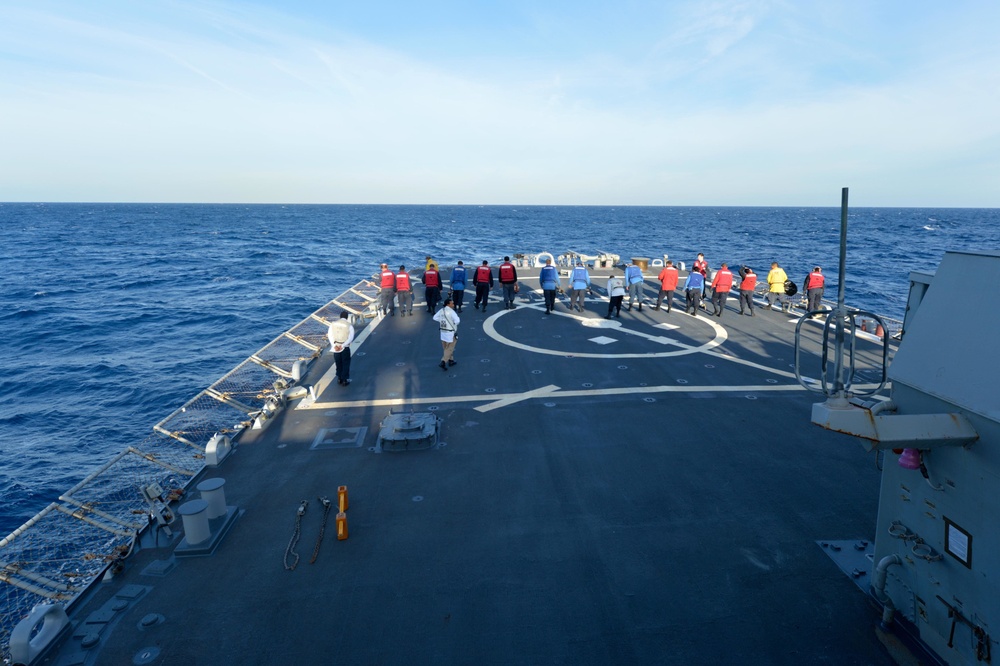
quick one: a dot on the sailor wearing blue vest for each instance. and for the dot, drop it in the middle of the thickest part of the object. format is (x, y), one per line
(692, 290)
(549, 278)
(580, 285)
(458, 280)
(634, 279)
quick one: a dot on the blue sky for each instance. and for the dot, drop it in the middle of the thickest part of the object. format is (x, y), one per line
(629, 102)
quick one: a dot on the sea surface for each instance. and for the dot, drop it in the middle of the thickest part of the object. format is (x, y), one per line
(113, 315)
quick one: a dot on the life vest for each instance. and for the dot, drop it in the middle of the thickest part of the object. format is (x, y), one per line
(431, 278)
(723, 280)
(695, 280)
(701, 267)
(458, 278)
(388, 279)
(402, 281)
(581, 278)
(507, 272)
(633, 274)
(749, 282)
(483, 274)
(816, 281)
(340, 331)
(776, 280)
(668, 278)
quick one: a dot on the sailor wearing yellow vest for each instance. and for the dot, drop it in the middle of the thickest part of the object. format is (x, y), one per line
(776, 281)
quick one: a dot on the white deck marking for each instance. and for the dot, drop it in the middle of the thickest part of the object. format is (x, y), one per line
(720, 336)
(503, 399)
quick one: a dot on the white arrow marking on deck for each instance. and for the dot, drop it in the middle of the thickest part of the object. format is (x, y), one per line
(518, 397)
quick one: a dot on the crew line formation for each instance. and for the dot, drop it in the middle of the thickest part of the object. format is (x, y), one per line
(701, 288)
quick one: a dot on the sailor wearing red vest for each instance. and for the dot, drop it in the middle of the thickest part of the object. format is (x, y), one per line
(404, 292)
(701, 266)
(721, 284)
(388, 291)
(432, 286)
(508, 280)
(748, 282)
(668, 283)
(483, 279)
(814, 289)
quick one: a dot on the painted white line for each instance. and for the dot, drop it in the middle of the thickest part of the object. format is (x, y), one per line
(509, 400)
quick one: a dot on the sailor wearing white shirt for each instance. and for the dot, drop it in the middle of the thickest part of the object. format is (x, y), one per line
(448, 321)
(341, 335)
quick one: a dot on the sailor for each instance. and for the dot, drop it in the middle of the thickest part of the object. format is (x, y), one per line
(341, 335)
(616, 292)
(404, 292)
(693, 287)
(776, 284)
(748, 282)
(432, 286)
(701, 266)
(508, 282)
(448, 324)
(721, 284)
(458, 279)
(549, 279)
(483, 279)
(813, 287)
(580, 285)
(635, 281)
(388, 291)
(668, 283)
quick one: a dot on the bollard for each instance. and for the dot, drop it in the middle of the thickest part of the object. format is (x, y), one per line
(342, 498)
(194, 514)
(341, 526)
(212, 491)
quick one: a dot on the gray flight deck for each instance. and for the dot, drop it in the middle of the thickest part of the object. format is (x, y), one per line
(643, 490)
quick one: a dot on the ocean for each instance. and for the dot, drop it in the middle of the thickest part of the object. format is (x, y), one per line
(116, 314)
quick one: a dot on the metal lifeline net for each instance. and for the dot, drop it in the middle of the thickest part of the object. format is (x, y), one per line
(68, 545)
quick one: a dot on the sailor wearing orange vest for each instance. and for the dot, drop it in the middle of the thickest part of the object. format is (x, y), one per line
(668, 283)
(387, 292)
(404, 292)
(432, 286)
(748, 283)
(483, 279)
(814, 289)
(721, 284)
(508, 281)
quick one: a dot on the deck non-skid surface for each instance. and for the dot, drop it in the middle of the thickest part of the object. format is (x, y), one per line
(642, 490)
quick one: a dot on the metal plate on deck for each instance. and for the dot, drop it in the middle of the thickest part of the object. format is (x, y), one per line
(339, 438)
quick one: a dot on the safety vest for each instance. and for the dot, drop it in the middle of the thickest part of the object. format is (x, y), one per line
(506, 272)
(388, 279)
(701, 266)
(749, 282)
(580, 277)
(668, 278)
(723, 280)
(816, 281)
(633, 274)
(483, 274)
(402, 281)
(431, 278)
(340, 331)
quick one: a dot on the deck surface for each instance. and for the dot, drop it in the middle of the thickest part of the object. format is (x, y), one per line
(647, 489)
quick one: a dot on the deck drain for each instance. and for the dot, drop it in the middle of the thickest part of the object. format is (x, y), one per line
(643, 384)
(550, 404)
(418, 498)
(491, 390)
(587, 385)
(400, 365)
(709, 366)
(406, 342)
(682, 381)
(433, 408)
(536, 372)
(751, 397)
(146, 655)
(484, 360)
(649, 399)
(772, 381)
(556, 337)
(623, 367)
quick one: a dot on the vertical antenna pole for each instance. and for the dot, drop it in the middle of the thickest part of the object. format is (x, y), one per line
(841, 310)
